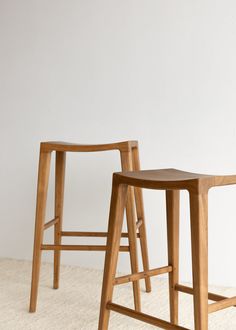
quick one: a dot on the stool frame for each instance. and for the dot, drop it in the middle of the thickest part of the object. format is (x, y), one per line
(172, 181)
(129, 155)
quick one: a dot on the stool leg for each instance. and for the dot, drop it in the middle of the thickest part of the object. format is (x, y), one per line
(172, 212)
(140, 215)
(59, 198)
(199, 236)
(118, 199)
(126, 160)
(43, 176)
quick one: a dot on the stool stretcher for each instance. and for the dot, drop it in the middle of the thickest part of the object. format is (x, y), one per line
(222, 302)
(90, 234)
(52, 247)
(143, 317)
(141, 275)
(51, 223)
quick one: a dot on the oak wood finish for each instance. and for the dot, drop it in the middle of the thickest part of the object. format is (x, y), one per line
(199, 239)
(225, 303)
(59, 199)
(141, 275)
(118, 199)
(135, 229)
(222, 301)
(50, 223)
(141, 217)
(172, 210)
(172, 181)
(143, 317)
(139, 223)
(126, 161)
(72, 147)
(90, 234)
(43, 176)
(211, 296)
(63, 247)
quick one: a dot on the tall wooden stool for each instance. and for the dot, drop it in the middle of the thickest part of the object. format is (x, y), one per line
(129, 155)
(172, 181)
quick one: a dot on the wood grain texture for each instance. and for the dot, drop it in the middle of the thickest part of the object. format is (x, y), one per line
(43, 176)
(118, 201)
(211, 296)
(199, 241)
(59, 199)
(141, 218)
(65, 247)
(172, 210)
(141, 275)
(126, 161)
(73, 147)
(171, 179)
(90, 234)
(225, 303)
(143, 317)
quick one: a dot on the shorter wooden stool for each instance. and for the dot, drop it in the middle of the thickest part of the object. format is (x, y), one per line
(172, 181)
(129, 155)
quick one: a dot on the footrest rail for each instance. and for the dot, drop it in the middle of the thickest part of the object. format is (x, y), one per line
(143, 317)
(90, 234)
(222, 302)
(53, 247)
(219, 305)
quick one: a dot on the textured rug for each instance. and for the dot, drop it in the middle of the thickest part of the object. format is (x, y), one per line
(76, 304)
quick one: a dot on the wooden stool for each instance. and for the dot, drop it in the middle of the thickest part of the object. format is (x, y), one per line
(172, 181)
(129, 161)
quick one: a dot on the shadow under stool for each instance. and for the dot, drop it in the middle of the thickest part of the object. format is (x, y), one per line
(129, 156)
(172, 181)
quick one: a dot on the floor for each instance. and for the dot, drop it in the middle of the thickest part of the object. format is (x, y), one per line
(76, 304)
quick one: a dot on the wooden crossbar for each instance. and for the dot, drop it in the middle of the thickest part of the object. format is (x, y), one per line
(141, 275)
(61, 247)
(143, 317)
(51, 223)
(90, 234)
(211, 296)
(225, 303)
(139, 223)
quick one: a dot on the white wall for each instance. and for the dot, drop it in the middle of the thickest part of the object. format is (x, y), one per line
(94, 71)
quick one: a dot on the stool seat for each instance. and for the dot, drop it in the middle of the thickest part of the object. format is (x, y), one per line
(74, 147)
(171, 178)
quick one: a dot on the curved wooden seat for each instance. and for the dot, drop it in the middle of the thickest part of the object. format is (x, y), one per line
(73, 147)
(173, 179)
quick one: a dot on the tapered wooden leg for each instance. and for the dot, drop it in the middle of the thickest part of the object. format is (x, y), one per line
(126, 161)
(43, 176)
(59, 198)
(141, 216)
(172, 212)
(118, 199)
(199, 235)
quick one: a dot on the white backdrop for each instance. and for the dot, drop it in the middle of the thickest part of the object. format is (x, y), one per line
(97, 71)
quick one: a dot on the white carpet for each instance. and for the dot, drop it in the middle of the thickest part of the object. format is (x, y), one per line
(76, 304)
